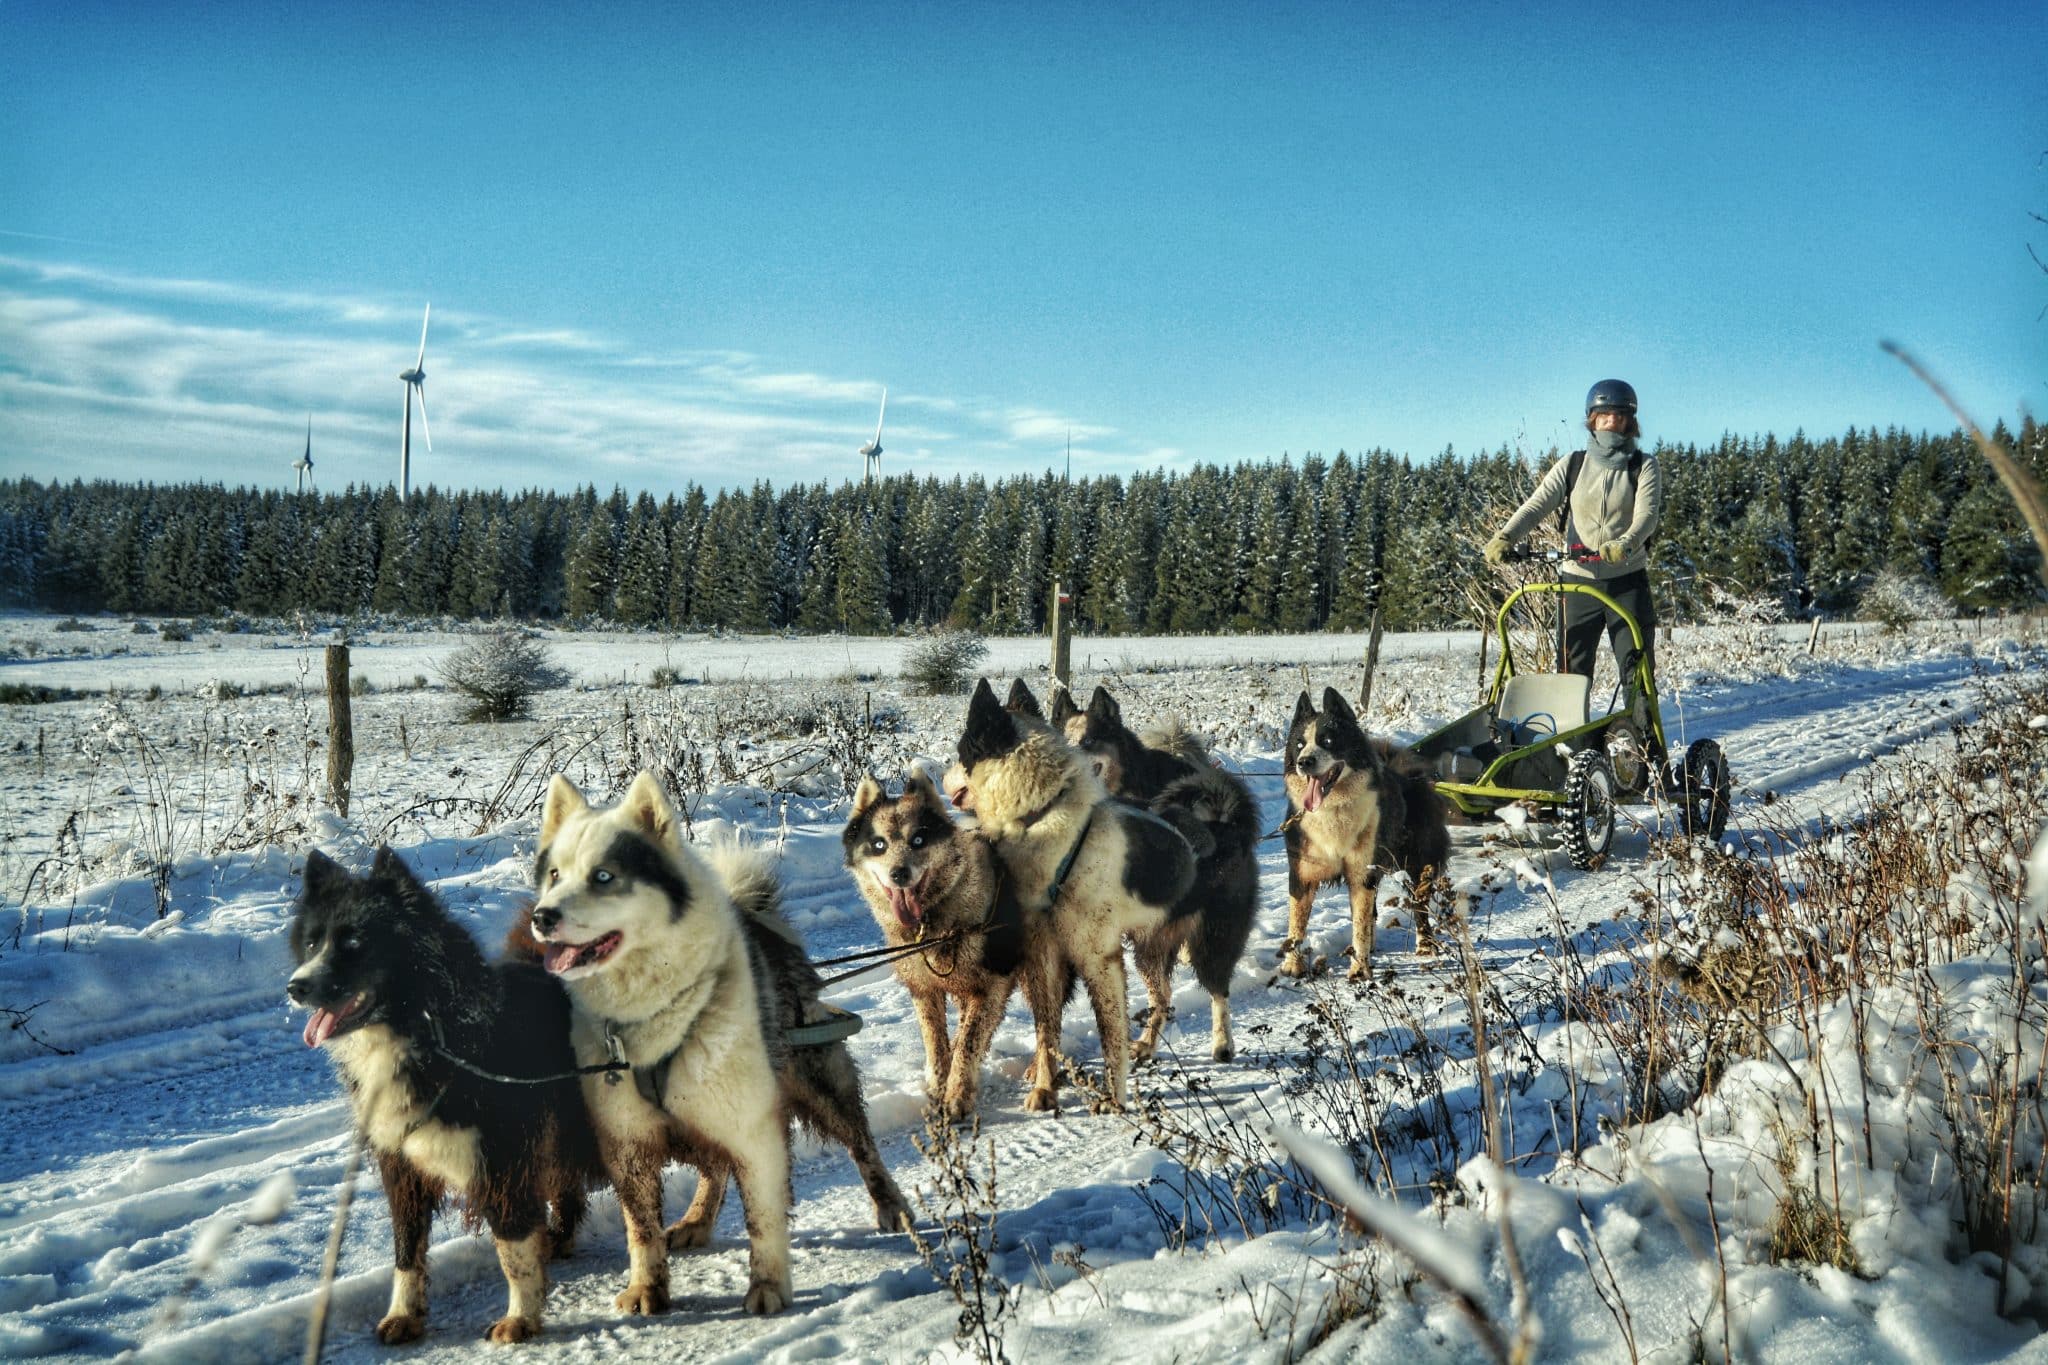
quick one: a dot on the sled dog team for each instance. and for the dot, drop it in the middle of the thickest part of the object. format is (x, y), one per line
(653, 1005)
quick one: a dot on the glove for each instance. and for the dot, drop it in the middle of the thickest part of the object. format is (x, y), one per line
(1613, 551)
(1496, 550)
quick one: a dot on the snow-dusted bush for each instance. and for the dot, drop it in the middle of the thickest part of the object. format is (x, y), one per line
(941, 664)
(1896, 600)
(500, 673)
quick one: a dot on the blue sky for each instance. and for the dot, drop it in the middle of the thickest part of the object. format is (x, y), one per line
(683, 243)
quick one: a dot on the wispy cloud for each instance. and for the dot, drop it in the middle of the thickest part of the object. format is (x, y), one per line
(110, 374)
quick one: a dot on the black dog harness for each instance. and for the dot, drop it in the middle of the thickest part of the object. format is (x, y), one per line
(651, 1080)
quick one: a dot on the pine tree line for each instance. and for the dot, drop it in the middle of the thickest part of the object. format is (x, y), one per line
(1288, 545)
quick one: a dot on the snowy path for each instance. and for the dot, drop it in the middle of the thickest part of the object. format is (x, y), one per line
(114, 1162)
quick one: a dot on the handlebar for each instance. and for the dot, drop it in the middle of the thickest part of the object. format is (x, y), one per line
(1526, 553)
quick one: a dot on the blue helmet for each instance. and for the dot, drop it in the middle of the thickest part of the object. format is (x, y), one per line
(1612, 395)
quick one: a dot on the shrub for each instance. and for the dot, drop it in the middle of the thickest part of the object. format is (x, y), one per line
(71, 623)
(360, 685)
(1896, 600)
(941, 663)
(664, 676)
(180, 631)
(140, 628)
(499, 674)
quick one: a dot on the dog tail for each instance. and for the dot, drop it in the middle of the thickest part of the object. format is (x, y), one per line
(1428, 846)
(1174, 737)
(747, 872)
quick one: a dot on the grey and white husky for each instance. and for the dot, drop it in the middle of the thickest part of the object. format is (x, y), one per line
(683, 966)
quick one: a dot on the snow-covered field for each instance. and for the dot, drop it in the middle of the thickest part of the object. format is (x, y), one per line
(169, 1179)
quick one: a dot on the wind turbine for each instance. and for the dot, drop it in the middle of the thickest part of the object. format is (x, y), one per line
(415, 384)
(304, 464)
(872, 451)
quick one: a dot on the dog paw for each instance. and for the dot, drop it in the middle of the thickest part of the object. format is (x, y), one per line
(510, 1331)
(892, 1218)
(1224, 1051)
(1041, 1100)
(689, 1234)
(643, 1299)
(765, 1297)
(1105, 1104)
(1293, 964)
(1360, 970)
(1142, 1050)
(400, 1328)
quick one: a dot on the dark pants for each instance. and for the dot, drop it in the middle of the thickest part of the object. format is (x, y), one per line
(1584, 618)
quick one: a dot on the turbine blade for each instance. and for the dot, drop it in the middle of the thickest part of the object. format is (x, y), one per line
(882, 414)
(424, 319)
(421, 389)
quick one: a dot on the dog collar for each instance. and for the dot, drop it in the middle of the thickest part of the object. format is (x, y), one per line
(1047, 809)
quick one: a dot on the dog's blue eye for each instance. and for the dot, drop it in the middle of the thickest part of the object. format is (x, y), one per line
(878, 845)
(349, 942)
(601, 877)
(917, 841)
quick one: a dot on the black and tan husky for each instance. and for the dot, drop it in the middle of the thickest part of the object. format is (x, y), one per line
(1357, 807)
(1172, 776)
(930, 880)
(408, 1010)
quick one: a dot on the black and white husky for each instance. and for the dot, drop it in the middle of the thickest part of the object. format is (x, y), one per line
(684, 966)
(1102, 868)
(408, 1010)
(1357, 806)
(1171, 775)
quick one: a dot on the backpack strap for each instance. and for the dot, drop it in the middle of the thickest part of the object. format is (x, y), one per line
(1571, 481)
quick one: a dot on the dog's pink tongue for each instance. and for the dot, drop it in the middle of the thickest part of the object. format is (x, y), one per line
(903, 900)
(561, 957)
(1312, 799)
(320, 1027)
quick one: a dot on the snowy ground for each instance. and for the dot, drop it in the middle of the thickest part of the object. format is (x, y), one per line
(168, 1186)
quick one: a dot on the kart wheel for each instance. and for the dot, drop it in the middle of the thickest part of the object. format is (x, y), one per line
(1703, 790)
(1588, 810)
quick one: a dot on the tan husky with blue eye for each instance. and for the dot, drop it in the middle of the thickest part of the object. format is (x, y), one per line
(684, 967)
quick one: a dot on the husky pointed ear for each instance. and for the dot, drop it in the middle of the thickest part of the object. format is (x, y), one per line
(866, 797)
(387, 866)
(917, 783)
(323, 876)
(1022, 702)
(989, 730)
(1303, 708)
(1334, 704)
(1102, 706)
(1063, 708)
(564, 801)
(647, 809)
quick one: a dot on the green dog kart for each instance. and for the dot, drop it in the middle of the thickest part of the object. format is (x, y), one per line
(1534, 743)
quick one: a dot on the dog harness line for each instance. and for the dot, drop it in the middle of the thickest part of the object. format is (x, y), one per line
(1059, 875)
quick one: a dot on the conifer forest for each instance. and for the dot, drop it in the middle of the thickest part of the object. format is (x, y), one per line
(1289, 545)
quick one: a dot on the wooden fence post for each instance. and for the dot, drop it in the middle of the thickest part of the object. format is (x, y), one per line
(1062, 641)
(1372, 662)
(341, 734)
(1813, 636)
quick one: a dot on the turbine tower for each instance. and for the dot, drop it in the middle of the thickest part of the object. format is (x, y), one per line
(304, 464)
(871, 453)
(415, 380)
